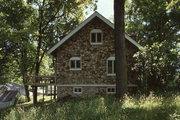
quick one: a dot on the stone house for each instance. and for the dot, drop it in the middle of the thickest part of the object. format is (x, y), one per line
(85, 59)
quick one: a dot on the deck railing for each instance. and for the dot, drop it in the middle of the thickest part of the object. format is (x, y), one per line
(41, 80)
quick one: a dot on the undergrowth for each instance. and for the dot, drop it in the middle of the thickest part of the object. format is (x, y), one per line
(138, 107)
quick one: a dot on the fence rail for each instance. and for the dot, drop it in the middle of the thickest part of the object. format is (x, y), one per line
(40, 80)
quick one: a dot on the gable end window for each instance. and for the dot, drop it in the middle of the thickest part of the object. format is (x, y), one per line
(96, 37)
(77, 90)
(75, 63)
(111, 66)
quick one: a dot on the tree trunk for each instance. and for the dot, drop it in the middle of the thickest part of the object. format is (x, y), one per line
(120, 50)
(35, 87)
(27, 93)
(37, 65)
(38, 60)
(24, 71)
(26, 88)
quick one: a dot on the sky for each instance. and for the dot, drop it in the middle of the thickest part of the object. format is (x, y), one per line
(105, 7)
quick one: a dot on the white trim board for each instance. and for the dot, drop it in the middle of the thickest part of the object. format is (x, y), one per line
(95, 14)
(91, 85)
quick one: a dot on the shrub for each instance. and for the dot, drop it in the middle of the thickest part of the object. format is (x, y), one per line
(21, 99)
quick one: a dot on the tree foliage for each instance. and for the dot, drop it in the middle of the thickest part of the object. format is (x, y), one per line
(155, 25)
(15, 29)
(29, 28)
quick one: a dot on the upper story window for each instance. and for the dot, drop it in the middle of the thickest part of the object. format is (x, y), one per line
(96, 37)
(111, 66)
(75, 63)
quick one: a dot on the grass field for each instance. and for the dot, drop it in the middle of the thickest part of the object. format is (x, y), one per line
(139, 107)
(39, 98)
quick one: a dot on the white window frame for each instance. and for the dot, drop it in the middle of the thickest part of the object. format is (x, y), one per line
(75, 59)
(111, 59)
(111, 88)
(96, 31)
(77, 88)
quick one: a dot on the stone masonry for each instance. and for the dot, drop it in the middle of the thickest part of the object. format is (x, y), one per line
(93, 59)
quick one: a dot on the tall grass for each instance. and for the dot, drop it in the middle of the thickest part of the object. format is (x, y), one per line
(151, 107)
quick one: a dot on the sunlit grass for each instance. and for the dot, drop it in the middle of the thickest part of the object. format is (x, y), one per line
(40, 100)
(139, 107)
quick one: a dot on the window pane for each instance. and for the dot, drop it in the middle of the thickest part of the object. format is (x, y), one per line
(78, 64)
(93, 37)
(79, 90)
(75, 89)
(109, 66)
(112, 90)
(109, 90)
(72, 64)
(99, 37)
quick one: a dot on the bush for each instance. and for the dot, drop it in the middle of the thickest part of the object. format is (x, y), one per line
(21, 99)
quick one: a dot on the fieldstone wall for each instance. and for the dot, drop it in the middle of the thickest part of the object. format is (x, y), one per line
(86, 92)
(93, 58)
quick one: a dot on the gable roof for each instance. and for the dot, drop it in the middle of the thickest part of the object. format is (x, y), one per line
(95, 14)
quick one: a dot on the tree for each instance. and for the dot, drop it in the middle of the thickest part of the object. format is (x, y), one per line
(16, 29)
(54, 19)
(29, 28)
(157, 30)
(16, 15)
(120, 50)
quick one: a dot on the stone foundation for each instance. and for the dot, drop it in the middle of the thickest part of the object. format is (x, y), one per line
(94, 91)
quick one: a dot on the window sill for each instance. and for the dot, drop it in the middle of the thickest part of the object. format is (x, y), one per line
(79, 93)
(75, 69)
(111, 92)
(96, 43)
(111, 74)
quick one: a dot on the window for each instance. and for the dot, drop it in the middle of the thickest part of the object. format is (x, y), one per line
(96, 37)
(111, 66)
(75, 63)
(77, 90)
(111, 90)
